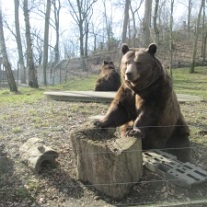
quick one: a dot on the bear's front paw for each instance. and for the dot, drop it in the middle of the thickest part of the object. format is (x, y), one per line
(98, 123)
(134, 132)
(97, 120)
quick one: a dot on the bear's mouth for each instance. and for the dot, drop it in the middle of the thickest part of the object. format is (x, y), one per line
(130, 78)
(131, 82)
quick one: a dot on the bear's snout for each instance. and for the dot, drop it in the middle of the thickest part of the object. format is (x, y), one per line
(131, 75)
(128, 75)
(131, 72)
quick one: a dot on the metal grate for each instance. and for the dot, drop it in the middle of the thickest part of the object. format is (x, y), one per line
(182, 174)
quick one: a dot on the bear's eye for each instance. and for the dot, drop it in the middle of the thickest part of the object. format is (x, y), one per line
(139, 63)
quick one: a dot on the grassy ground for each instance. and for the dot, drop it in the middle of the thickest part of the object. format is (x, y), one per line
(194, 84)
(184, 82)
(29, 114)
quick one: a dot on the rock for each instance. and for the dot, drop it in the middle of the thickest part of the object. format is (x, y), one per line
(112, 165)
(34, 152)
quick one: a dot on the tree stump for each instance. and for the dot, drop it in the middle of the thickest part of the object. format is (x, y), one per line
(111, 164)
(34, 152)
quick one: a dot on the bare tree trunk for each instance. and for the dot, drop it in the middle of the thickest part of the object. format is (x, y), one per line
(86, 39)
(85, 10)
(79, 19)
(108, 26)
(156, 30)
(171, 35)
(134, 23)
(22, 68)
(57, 25)
(9, 73)
(46, 40)
(147, 23)
(126, 19)
(33, 83)
(81, 38)
(189, 16)
(203, 47)
(134, 27)
(192, 67)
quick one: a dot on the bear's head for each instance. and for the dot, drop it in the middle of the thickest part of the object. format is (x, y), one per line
(107, 67)
(139, 66)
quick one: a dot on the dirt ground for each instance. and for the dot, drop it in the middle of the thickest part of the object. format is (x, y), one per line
(56, 185)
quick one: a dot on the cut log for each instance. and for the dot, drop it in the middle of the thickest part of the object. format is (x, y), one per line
(34, 152)
(112, 165)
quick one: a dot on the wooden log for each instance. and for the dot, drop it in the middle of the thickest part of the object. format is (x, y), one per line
(112, 165)
(34, 152)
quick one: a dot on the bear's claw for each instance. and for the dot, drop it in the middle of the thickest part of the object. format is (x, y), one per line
(134, 132)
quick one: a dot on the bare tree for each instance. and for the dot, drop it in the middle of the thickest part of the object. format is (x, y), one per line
(81, 10)
(171, 35)
(30, 61)
(192, 67)
(204, 34)
(86, 38)
(21, 64)
(9, 73)
(147, 23)
(46, 40)
(108, 26)
(57, 7)
(134, 21)
(126, 19)
(189, 16)
(156, 30)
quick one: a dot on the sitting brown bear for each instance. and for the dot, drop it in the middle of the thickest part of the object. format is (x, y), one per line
(109, 78)
(147, 99)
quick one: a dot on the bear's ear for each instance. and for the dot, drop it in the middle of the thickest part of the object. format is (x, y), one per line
(105, 62)
(152, 49)
(124, 48)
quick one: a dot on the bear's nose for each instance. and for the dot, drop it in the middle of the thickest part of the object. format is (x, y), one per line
(129, 75)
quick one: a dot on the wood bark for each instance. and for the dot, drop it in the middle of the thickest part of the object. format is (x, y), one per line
(134, 22)
(171, 35)
(57, 7)
(204, 35)
(22, 68)
(86, 38)
(107, 28)
(146, 23)
(34, 152)
(126, 19)
(7, 65)
(46, 41)
(192, 67)
(189, 16)
(112, 165)
(156, 30)
(33, 83)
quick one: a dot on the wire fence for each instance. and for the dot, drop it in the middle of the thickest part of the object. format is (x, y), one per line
(202, 201)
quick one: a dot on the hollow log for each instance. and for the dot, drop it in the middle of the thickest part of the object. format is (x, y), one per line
(34, 152)
(111, 164)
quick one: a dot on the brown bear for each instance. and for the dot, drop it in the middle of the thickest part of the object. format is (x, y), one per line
(109, 78)
(146, 98)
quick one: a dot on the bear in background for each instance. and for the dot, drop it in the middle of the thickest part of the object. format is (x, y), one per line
(109, 78)
(146, 105)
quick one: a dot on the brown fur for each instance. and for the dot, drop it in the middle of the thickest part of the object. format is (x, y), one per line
(147, 99)
(109, 79)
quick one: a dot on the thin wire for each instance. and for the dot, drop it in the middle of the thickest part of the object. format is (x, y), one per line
(109, 184)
